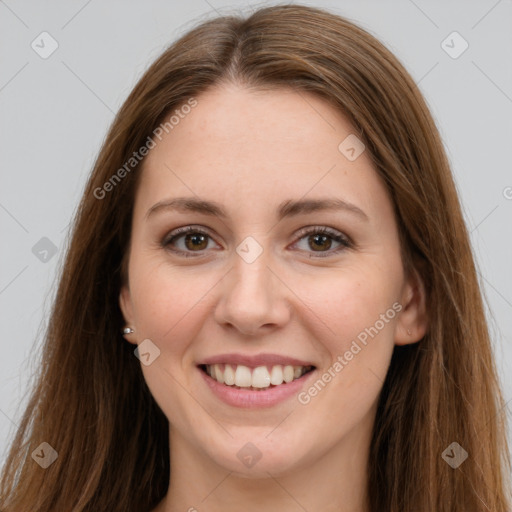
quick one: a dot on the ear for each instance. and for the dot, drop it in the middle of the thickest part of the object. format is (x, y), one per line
(125, 303)
(413, 317)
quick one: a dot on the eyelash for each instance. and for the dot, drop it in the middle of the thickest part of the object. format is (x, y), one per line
(345, 241)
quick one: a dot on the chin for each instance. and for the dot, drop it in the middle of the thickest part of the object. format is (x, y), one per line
(258, 456)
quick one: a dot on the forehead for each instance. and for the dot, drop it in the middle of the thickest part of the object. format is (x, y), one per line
(230, 115)
(244, 146)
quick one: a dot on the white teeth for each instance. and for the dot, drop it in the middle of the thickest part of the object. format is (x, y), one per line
(259, 377)
(288, 373)
(218, 373)
(243, 377)
(276, 375)
(229, 375)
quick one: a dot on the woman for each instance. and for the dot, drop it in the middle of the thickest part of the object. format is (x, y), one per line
(210, 348)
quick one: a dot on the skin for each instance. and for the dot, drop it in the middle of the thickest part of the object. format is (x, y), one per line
(249, 151)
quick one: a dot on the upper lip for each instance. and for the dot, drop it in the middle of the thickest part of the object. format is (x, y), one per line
(254, 361)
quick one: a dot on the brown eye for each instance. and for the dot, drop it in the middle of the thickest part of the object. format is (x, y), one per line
(196, 241)
(187, 240)
(319, 240)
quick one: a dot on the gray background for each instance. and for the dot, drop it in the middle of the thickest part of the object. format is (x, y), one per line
(54, 113)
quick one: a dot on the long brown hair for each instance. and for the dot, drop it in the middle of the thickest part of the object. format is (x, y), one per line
(91, 403)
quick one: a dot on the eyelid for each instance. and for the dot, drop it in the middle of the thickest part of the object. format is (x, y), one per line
(338, 236)
(181, 231)
(323, 229)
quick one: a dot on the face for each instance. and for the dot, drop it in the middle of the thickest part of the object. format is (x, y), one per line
(264, 280)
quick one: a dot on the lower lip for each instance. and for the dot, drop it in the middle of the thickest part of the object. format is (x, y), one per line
(254, 399)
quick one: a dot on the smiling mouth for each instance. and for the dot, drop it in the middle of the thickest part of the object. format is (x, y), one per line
(254, 379)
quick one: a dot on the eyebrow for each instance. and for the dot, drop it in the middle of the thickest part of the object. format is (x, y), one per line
(289, 208)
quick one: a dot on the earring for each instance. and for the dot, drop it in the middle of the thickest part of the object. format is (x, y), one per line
(128, 330)
(409, 332)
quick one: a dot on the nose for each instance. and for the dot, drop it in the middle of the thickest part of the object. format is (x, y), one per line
(254, 298)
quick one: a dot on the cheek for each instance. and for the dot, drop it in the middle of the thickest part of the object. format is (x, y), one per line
(347, 301)
(169, 304)
(358, 311)
(169, 311)
(172, 303)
